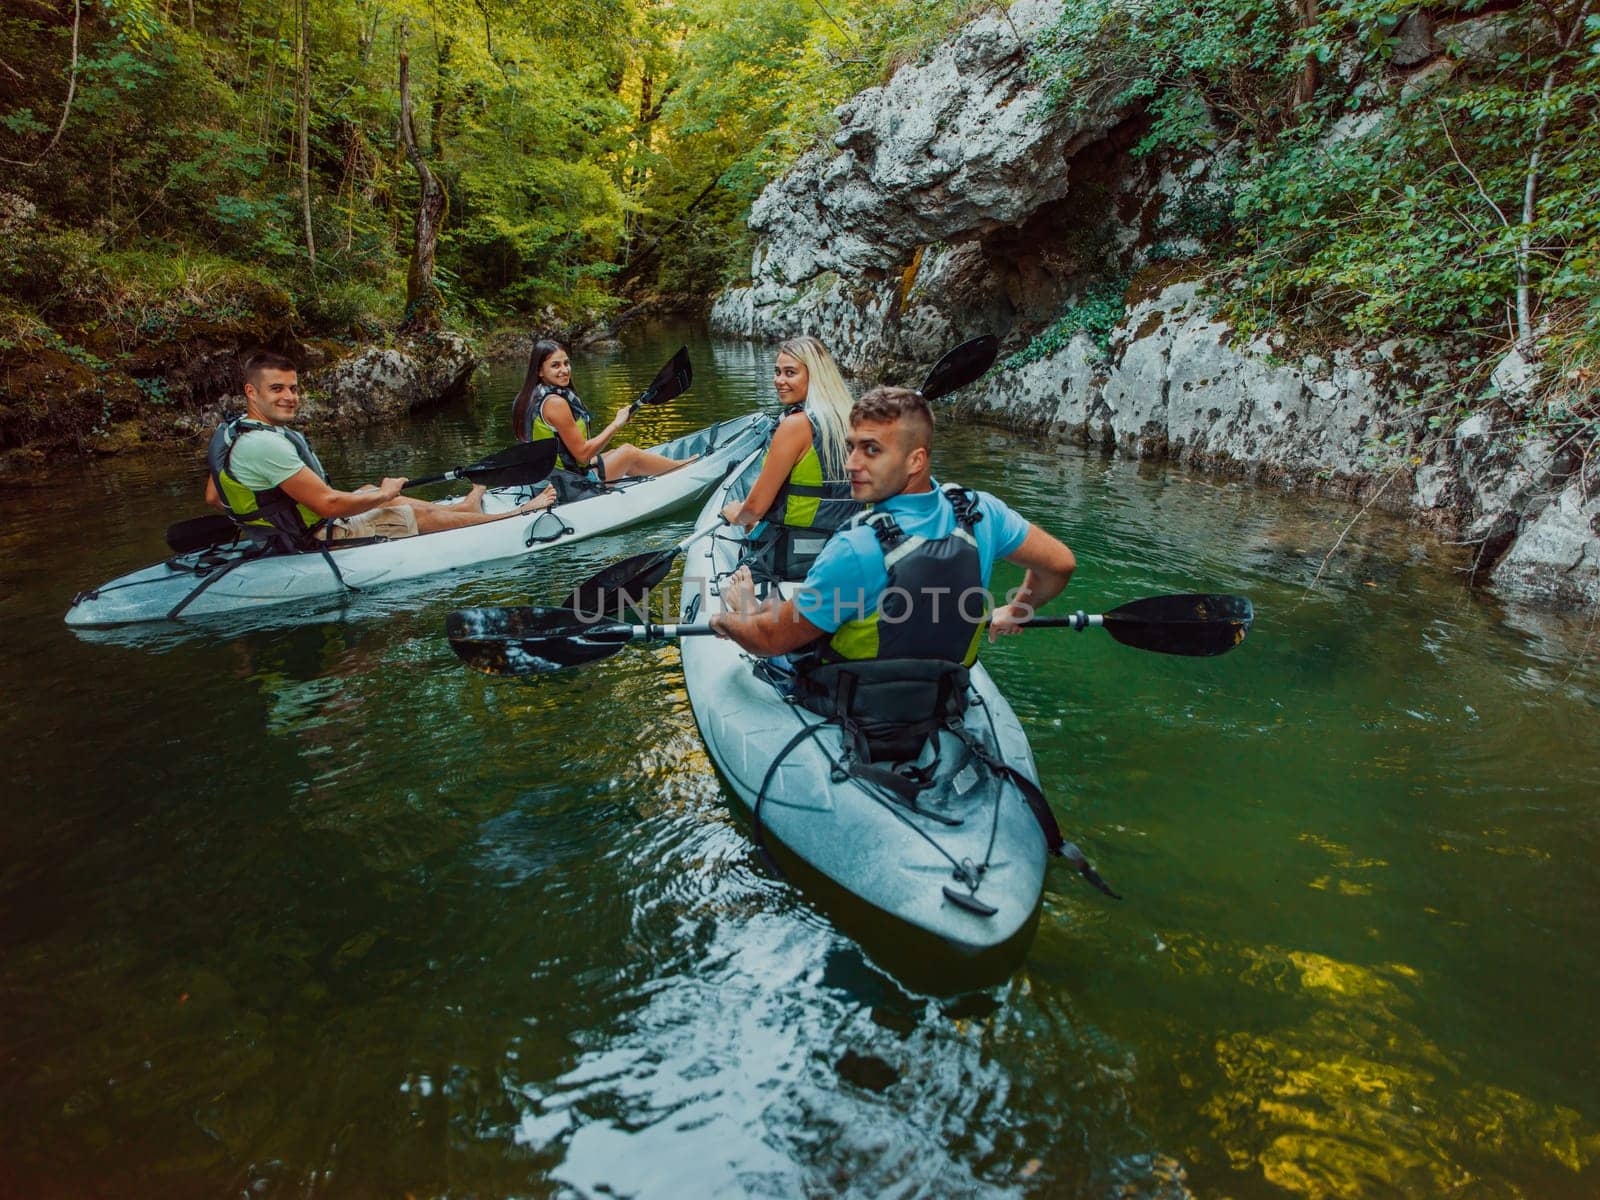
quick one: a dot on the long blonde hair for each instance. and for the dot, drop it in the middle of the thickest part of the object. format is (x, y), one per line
(828, 401)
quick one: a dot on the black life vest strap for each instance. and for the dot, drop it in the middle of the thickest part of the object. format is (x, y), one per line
(821, 491)
(885, 528)
(965, 502)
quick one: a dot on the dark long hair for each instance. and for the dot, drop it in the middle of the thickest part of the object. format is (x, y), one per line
(542, 349)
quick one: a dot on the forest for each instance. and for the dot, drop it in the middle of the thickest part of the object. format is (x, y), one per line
(183, 175)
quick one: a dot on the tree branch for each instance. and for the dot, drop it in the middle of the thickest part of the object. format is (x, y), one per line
(72, 90)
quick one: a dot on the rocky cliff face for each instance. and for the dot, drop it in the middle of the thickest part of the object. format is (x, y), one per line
(947, 207)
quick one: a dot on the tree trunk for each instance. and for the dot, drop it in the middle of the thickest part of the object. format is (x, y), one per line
(1306, 85)
(72, 88)
(305, 130)
(1530, 190)
(422, 296)
(634, 265)
(272, 70)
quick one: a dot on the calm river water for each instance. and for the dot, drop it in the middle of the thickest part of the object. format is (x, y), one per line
(303, 907)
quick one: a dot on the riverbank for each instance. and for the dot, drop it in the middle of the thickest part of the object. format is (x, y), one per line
(148, 350)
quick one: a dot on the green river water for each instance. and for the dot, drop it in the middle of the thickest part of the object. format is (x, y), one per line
(301, 907)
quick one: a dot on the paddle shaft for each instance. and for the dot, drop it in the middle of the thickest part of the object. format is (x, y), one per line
(652, 632)
(458, 473)
(1079, 620)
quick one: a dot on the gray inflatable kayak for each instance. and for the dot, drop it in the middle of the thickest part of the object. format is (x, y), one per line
(965, 864)
(232, 580)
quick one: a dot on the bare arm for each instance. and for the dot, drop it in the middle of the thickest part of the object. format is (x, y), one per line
(558, 415)
(306, 487)
(789, 445)
(212, 498)
(1048, 565)
(768, 630)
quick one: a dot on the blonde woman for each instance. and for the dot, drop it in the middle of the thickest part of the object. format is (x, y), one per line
(802, 493)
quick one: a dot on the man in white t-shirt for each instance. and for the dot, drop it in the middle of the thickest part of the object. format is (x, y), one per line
(263, 473)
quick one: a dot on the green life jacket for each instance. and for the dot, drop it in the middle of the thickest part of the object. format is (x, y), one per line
(934, 606)
(530, 424)
(270, 515)
(815, 495)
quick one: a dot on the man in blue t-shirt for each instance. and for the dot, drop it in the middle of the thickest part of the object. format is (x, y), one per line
(847, 608)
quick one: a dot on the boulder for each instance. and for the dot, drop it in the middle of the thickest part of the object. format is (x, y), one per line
(1413, 40)
(383, 382)
(950, 204)
(1177, 386)
(1556, 556)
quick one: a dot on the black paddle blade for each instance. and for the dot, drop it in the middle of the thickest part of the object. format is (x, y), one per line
(960, 367)
(201, 533)
(1197, 625)
(625, 583)
(530, 641)
(671, 381)
(526, 462)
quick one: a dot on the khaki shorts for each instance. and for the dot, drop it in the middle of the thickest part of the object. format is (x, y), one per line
(397, 522)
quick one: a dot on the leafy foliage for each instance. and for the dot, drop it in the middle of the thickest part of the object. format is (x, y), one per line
(1095, 313)
(1456, 199)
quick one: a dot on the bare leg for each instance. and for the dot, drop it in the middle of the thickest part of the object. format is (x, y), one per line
(628, 459)
(471, 502)
(469, 511)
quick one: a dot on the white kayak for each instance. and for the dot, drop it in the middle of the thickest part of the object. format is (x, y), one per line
(966, 864)
(236, 578)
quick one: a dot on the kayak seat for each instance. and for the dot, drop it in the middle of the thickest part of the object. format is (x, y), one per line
(571, 486)
(889, 708)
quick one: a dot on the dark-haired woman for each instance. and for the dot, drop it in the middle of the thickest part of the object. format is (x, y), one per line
(547, 407)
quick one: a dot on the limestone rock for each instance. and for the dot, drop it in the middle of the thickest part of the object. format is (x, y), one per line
(1557, 557)
(1178, 387)
(382, 382)
(874, 245)
(951, 205)
(1514, 375)
(1413, 40)
(1482, 40)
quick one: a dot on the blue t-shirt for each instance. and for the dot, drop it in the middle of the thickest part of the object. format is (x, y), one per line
(847, 579)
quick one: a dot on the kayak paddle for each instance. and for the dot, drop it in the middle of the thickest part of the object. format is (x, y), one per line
(960, 366)
(1198, 625)
(529, 640)
(671, 381)
(628, 581)
(526, 462)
